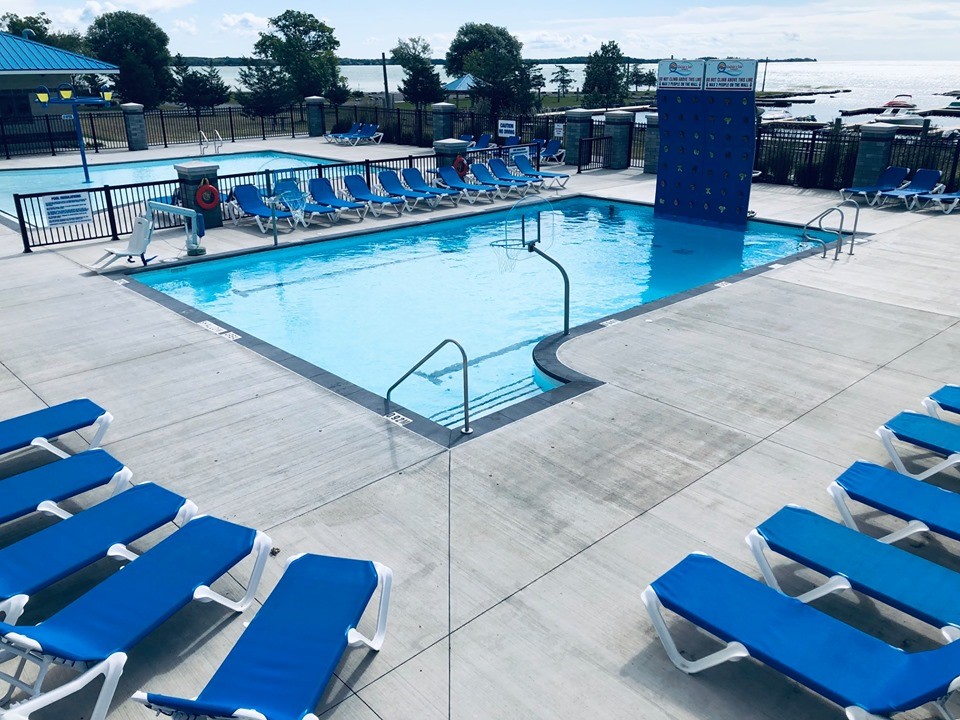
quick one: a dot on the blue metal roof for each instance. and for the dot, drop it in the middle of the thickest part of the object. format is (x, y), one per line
(19, 56)
(462, 84)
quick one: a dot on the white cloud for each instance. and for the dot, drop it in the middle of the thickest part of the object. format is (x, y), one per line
(244, 23)
(81, 16)
(187, 27)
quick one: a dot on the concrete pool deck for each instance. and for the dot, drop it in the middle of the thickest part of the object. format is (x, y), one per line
(715, 412)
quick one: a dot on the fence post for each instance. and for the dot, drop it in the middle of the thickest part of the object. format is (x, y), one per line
(135, 126)
(366, 170)
(93, 132)
(3, 136)
(163, 129)
(952, 180)
(316, 123)
(873, 153)
(53, 149)
(293, 123)
(110, 215)
(197, 118)
(618, 124)
(191, 174)
(443, 116)
(579, 125)
(263, 128)
(23, 223)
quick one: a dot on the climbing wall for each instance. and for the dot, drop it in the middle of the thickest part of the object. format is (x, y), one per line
(707, 133)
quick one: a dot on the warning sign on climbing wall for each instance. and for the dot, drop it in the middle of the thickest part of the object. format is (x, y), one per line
(680, 75)
(730, 74)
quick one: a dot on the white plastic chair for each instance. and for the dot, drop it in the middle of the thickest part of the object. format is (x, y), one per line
(136, 247)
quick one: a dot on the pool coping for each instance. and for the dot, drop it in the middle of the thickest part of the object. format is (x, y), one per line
(545, 352)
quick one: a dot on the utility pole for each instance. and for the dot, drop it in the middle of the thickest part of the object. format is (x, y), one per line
(386, 87)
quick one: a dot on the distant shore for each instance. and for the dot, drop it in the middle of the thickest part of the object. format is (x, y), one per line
(576, 60)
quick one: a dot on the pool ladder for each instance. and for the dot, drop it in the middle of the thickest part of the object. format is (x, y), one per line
(205, 143)
(807, 237)
(466, 429)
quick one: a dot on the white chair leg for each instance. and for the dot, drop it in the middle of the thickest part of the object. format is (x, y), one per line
(354, 638)
(933, 410)
(261, 549)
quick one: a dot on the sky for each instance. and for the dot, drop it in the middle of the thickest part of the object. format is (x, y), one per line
(847, 30)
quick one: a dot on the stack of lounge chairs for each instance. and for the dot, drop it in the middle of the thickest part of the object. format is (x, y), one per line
(313, 612)
(865, 675)
(923, 190)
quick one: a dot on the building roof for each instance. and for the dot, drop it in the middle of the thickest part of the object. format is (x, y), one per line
(461, 84)
(19, 56)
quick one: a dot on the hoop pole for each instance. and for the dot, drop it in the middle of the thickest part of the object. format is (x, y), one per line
(532, 247)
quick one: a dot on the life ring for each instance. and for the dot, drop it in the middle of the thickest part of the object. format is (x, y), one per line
(207, 197)
(460, 165)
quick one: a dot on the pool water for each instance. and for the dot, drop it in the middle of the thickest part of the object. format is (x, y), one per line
(71, 178)
(368, 308)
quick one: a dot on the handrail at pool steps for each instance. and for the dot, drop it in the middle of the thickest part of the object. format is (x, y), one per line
(466, 429)
(807, 237)
(114, 208)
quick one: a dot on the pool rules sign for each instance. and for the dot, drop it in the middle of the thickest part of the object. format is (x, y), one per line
(67, 209)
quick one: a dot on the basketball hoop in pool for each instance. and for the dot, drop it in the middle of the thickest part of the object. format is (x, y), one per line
(529, 224)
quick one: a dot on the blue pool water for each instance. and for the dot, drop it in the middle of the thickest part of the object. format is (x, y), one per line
(71, 178)
(367, 308)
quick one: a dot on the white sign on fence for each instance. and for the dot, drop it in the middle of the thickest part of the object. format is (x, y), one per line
(507, 128)
(66, 117)
(558, 130)
(67, 209)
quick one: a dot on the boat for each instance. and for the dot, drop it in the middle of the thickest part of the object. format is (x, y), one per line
(775, 115)
(955, 105)
(899, 116)
(900, 101)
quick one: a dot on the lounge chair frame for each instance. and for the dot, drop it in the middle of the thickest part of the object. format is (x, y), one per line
(887, 437)
(28, 652)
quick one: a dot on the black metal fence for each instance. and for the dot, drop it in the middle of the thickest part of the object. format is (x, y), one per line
(935, 153)
(176, 127)
(50, 134)
(820, 158)
(638, 135)
(114, 209)
(593, 153)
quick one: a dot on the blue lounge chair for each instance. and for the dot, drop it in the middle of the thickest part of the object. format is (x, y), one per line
(41, 488)
(448, 176)
(937, 436)
(946, 202)
(94, 633)
(368, 133)
(552, 178)
(415, 181)
(553, 153)
(358, 188)
(890, 179)
(467, 138)
(511, 141)
(861, 673)
(247, 201)
(483, 142)
(924, 181)
(946, 398)
(104, 530)
(290, 194)
(390, 182)
(40, 427)
(338, 137)
(852, 560)
(924, 507)
(483, 175)
(322, 191)
(301, 632)
(500, 170)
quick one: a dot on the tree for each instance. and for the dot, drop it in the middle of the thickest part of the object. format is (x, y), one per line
(421, 82)
(12, 23)
(138, 46)
(268, 90)
(196, 89)
(605, 77)
(639, 76)
(492, 55)
(561, 78)
(304, 47)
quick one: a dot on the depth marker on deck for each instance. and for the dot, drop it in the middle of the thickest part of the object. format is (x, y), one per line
(398, 419)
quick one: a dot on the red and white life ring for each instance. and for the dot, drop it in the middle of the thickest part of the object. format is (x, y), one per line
(207, 197)
(460, 165)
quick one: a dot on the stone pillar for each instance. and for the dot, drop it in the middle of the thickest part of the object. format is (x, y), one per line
(651, 145)
(135, 126)
(191, 174)
(447, 150)
(443, 115)
(619, 126)
(873, 154)
(579, 125)
(316, 121)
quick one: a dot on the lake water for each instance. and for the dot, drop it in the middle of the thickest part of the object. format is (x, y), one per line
(871, 83)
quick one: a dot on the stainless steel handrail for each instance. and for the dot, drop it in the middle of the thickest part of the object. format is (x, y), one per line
(856, 222)
(838, 231)
(466, 429)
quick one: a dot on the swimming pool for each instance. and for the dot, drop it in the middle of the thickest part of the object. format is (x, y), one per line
(367, 308)
(70, 178)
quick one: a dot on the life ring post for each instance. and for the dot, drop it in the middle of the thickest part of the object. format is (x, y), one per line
(200, 189)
